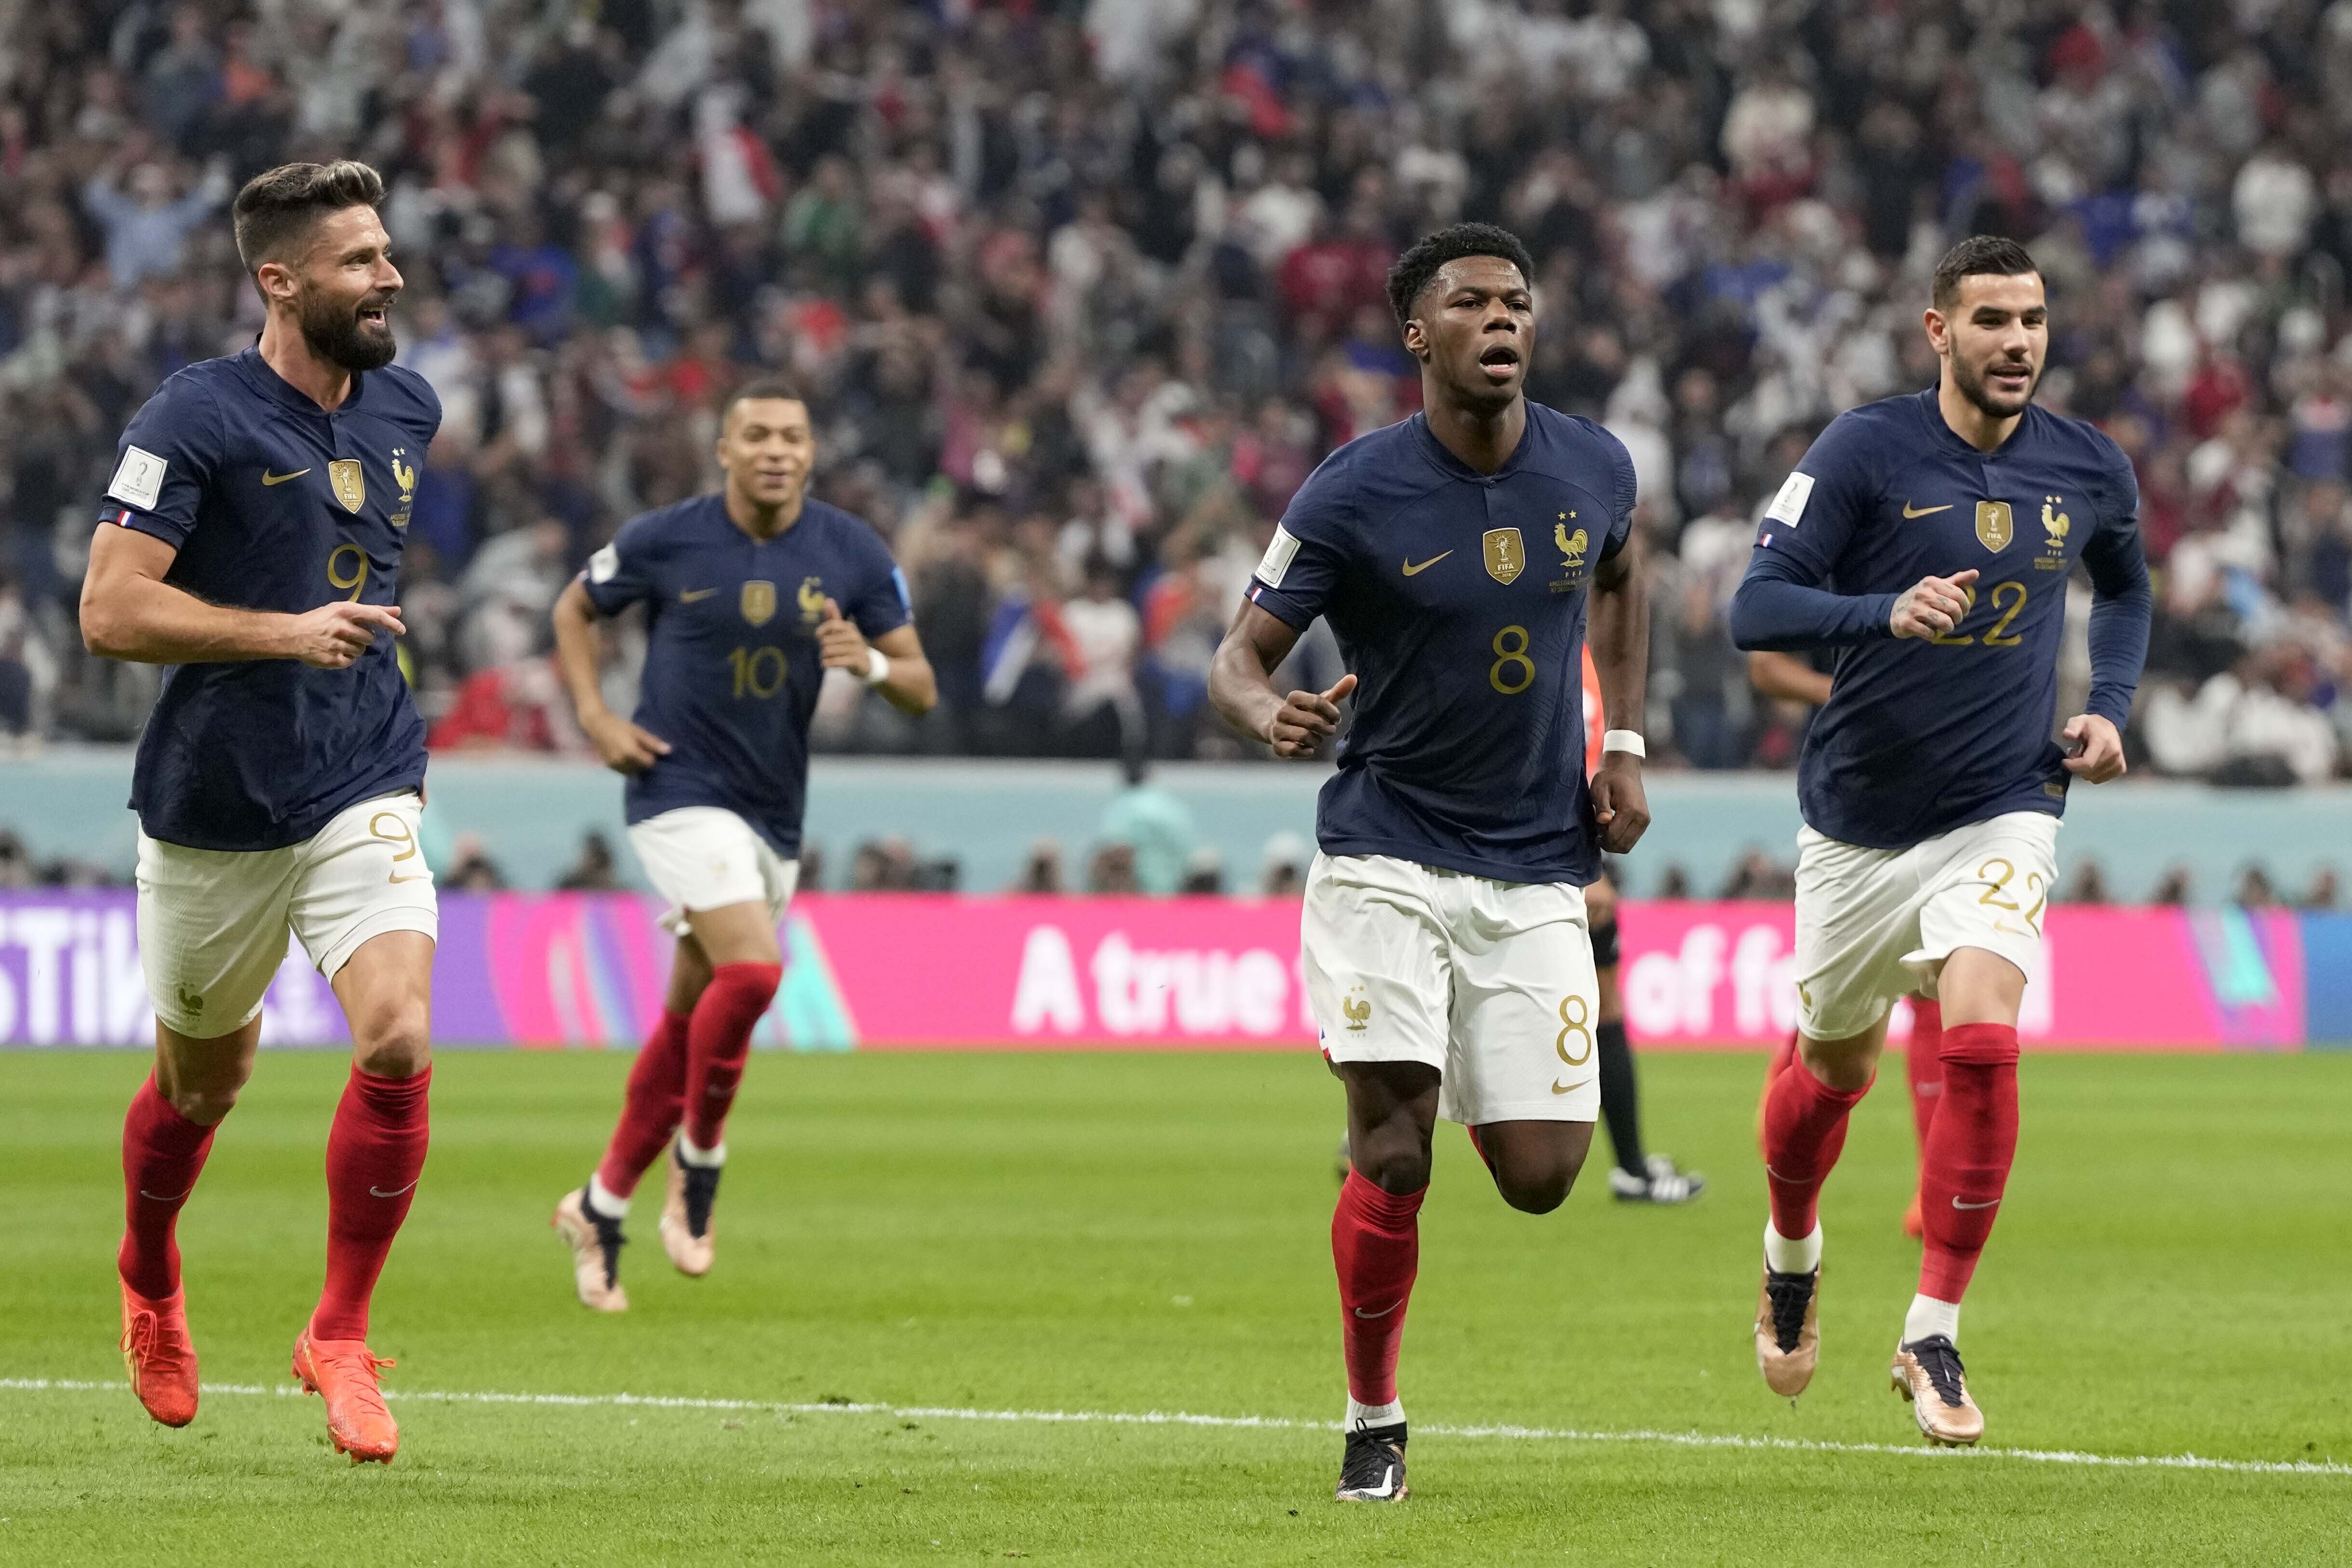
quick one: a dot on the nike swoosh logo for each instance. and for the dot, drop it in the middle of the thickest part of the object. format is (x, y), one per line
(694, 596)
(1381, 1313)
(1569, 1088)
(1958, 1205)
(1388, 1485)
(269, 479)
(380, 1193)
(1410, 569)
(1910, 511)
(160, 1199)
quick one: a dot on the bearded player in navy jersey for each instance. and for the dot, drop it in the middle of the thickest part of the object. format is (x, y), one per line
(250, 540)
(1447, 950)
(1929, 539)
(750, 595)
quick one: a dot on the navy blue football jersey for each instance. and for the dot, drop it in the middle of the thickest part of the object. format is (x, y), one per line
(1458, 601)
(731, 671)
(1921, 736)
(274, 504)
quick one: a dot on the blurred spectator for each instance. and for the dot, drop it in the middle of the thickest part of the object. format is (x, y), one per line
(2321, 893)
(882, 866)
(15, 865)
(2087, 885)
(592, 872)
(1041, 873)
(1085, 291)
(471, 869)
(1282, 868)
(2172, 888)
(1757, 876)
(1111, 870)
(1205, 874)
(1154, 822)
(810, 879)
(2254, 889)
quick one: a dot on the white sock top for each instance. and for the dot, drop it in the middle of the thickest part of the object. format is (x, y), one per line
(1362, 1415)
(605, 1201)
(1928, 1316)
(1785, 1254)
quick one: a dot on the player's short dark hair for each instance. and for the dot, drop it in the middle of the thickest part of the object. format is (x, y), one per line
(763, 387)
(278, 207)
(1977, 256)
(1417, 265)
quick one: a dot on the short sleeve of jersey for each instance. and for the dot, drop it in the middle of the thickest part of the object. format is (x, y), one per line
(1817, 507)
(622, 572)
(1620, 504)
(1294, 581)
(880, 605)
(167, 457)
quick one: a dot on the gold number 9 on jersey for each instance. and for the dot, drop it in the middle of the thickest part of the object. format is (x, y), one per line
(1513, 671)
(357, 567)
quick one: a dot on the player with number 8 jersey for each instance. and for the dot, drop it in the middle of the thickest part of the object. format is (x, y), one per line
(250, 540)
(750, 596)
(1929, 539)
(1444, 937)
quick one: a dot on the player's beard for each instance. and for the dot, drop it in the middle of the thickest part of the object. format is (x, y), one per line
(336, 334)
(1971, 383)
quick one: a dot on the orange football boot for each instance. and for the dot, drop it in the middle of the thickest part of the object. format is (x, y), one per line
(160, 1355)
(1914, 1225)
(342, 1372)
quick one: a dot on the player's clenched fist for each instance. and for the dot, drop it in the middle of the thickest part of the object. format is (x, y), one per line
(1932, 606)
(332, 635)
(1306, 719)
(2096, 750)
(624, 747)
(839, 644)
(1621, 807)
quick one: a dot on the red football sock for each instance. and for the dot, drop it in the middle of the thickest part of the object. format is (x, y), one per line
(1376, 1248)
(1804, 1129)
(375, 1152)
(1924, 1066)
(650, 1113)
(163, 1154)
(718, 1042)
(1968, 1155)
(1774, 1066)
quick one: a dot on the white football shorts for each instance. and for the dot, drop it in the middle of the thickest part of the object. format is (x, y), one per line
(1490, 983)
(705, 858)
(213, 924)
(1873, 924)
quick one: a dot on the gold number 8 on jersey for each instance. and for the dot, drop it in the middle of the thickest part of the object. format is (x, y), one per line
(1511, 659)
(1577, 1022)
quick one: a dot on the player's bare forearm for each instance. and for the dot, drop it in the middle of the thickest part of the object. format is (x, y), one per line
(911, 687)
(1785, 675)
(580, 652)
(1619, 632)
(1620, 636)
(129, 613)
(1241, 688)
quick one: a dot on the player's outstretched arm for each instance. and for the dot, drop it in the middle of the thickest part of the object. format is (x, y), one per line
(129, 612)
(1620, 633)
(1241, 688)
(904, 676)
(579, 654)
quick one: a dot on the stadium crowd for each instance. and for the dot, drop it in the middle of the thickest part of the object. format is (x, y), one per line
(1084, 291)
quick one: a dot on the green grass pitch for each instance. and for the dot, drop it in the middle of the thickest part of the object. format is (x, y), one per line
(1131, 1234)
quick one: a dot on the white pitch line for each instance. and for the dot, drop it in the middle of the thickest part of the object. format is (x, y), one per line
(1269, 1423)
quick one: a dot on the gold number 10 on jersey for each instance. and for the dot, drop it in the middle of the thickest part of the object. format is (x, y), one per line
(759, 671)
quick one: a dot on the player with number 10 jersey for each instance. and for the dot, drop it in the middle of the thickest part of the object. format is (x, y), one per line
(750, 595)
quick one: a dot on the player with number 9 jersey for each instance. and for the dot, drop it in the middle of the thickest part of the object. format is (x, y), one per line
(750, 596)
(249, 541)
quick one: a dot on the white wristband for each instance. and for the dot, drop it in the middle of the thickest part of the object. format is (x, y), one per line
(877, 666)
(1626, 740)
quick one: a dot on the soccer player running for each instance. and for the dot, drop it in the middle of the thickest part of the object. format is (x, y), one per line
(750, 596)
(1929, 538)
(250, 540)
(1446, 953)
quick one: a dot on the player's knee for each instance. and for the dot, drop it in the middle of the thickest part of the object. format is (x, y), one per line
(1538, 1186)
(205, 1104)
(392, 1037)
(1396, 1166)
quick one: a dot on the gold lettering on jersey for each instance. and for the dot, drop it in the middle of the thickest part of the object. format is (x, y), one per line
(812, 598)
(1506, 557)
(349, 482)
(1995, 527)
(759, 602)
(404, 476)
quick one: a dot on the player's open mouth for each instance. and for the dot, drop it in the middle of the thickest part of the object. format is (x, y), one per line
(2010, 377)
(372, 315)
(1500, 363)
